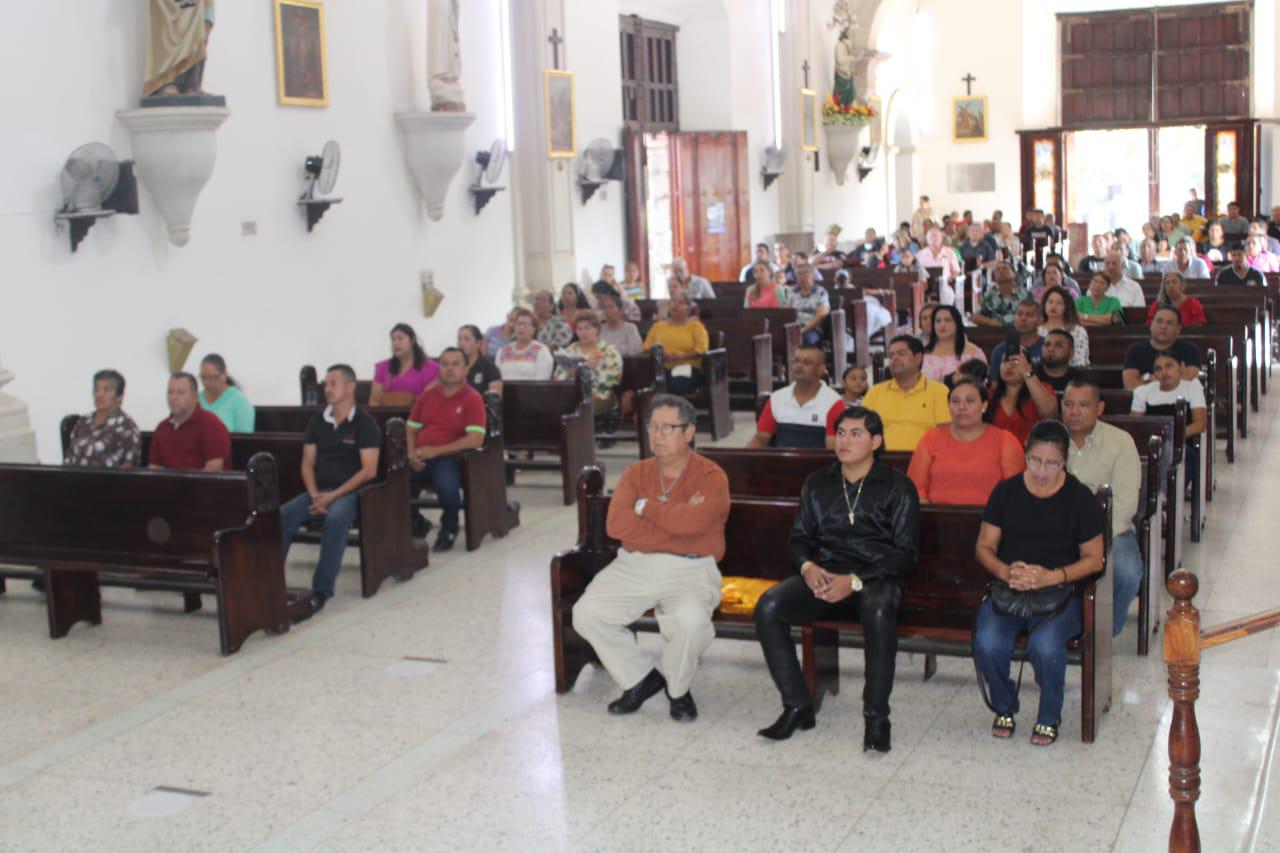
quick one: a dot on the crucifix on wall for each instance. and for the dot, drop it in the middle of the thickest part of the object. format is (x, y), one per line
(556, 41)
(968, 79)
(805, 66)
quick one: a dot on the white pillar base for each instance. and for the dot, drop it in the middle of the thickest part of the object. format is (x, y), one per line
(17, 440)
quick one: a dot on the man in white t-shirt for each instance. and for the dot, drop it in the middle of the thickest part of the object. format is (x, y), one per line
(1128, 291)
(1167, 387)
(804, 413)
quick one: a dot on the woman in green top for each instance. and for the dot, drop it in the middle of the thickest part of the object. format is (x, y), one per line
(223, 397)
(1095, 307)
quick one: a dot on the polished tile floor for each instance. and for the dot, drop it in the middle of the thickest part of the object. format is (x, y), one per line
(426, 719)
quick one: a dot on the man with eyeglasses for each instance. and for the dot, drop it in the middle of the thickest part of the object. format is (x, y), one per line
(909, 404)
(669, 513)
(855, 538)
(1102, 454)
(804, 413)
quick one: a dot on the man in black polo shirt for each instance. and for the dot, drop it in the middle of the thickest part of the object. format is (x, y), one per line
(339, 455)
(1239, 272)
(1140, 359)
(1055, 369)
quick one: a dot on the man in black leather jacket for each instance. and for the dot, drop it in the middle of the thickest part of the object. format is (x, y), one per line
(854, 539)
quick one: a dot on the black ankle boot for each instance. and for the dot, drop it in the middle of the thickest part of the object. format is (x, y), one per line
(876, 734)
(786, 725)
(631, 700)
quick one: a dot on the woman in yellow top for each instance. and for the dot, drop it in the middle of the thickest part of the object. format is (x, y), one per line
(684, 341)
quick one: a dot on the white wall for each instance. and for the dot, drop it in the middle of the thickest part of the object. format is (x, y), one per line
(268, 303)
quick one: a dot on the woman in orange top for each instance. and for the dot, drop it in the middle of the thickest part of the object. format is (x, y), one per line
(961, 462)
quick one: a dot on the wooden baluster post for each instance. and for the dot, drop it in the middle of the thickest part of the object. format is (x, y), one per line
(1182, 657)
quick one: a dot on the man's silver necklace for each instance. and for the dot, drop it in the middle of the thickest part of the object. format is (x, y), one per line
(666, 490)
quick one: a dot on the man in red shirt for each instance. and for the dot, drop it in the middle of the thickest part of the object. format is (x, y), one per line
(191, 437)
(447, 418)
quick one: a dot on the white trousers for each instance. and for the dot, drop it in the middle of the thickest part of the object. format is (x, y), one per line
(683, 594)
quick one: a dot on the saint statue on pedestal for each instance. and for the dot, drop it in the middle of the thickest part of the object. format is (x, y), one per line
(444, 58)
(177, 43)
(843, 89)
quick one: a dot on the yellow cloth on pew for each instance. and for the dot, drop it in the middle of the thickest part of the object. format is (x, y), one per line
(739, 595)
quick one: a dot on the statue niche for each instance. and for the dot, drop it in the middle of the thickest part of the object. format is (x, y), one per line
(177, 48)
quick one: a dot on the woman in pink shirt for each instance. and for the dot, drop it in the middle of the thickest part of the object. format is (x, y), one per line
(769, 289)
(400, 379)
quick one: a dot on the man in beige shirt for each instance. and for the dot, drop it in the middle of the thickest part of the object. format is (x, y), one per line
(1102, 454)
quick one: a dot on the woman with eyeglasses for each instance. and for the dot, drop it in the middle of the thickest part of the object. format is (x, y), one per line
(1041, 533)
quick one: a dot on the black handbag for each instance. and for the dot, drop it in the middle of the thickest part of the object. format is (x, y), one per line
(1024, 604)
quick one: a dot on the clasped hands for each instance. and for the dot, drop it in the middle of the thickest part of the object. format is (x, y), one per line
(320, 503)
(419, 455)
(1027, 576)
(827, 586)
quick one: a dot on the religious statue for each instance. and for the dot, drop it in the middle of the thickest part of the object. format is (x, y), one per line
(444, 59)
(843, 89)
(177, 46)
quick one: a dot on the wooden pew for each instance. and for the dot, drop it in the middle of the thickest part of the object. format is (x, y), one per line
(642, 377)
(313, 388)
(757, 534)
(748, 356)
(384, 536)
(485, 505)
(194, 532)
(775, 473)
(551, 417)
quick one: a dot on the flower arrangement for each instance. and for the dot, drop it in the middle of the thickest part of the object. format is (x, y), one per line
(835, 112)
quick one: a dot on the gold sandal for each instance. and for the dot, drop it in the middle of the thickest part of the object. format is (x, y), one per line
(1003, 726)
(1050, 733)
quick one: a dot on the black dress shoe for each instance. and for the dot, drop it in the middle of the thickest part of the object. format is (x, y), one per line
(683, 710)
(876, 734)
(421, 526)
(444, 540)
(315, 603)
(631, 700)
(786, 725)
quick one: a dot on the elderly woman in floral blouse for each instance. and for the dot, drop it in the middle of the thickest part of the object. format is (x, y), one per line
(106, 437)
(602, 358)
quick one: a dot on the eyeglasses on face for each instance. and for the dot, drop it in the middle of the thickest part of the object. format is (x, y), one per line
(665, 429)
(1043, 464)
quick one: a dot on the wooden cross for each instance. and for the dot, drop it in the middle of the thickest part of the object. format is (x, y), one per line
(556, 41)
(805, 66)
(968, 79)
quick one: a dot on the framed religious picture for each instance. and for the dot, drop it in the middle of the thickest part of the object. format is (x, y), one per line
(808, 120)
(562, 132)
(302, 66)
(969, 118)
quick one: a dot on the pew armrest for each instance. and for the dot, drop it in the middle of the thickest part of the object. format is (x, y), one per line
(762, 350)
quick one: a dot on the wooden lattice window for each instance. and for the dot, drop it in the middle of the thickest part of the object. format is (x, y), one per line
(650, 92)
(1172, 65)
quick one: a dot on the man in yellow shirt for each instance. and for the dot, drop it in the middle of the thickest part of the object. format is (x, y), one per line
(909, 404)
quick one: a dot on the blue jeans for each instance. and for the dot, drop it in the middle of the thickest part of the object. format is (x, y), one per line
(993, 639)
(812, 337)
(443, 475)
(337, 525)
(1126, 565)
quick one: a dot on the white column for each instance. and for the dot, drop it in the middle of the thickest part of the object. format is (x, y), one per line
(795, 187)
(544, 188)
(17, 440)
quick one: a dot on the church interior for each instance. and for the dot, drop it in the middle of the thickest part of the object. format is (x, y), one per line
(281, 182)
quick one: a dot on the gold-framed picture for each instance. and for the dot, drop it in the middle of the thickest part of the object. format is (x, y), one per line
(969, 118)
(562, 129)
(808, 120)
(302, 64)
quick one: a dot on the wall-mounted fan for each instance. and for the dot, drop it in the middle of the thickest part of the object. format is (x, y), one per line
(95, 185)
(321, 173)
(772, 162)
(490, 163)
(599, 162)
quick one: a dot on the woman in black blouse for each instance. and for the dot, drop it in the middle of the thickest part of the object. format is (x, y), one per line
(1041, 533)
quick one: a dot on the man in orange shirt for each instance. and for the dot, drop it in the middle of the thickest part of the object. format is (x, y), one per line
(669, 513)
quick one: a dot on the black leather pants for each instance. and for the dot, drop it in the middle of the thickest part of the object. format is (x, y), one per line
(792, 602)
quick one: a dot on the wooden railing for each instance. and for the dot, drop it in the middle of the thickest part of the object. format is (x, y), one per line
(1183, 642)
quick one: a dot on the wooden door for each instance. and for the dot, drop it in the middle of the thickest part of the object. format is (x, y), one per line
(711, 208)
(1231, 167)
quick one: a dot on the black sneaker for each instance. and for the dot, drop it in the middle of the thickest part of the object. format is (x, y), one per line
(444, 540)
